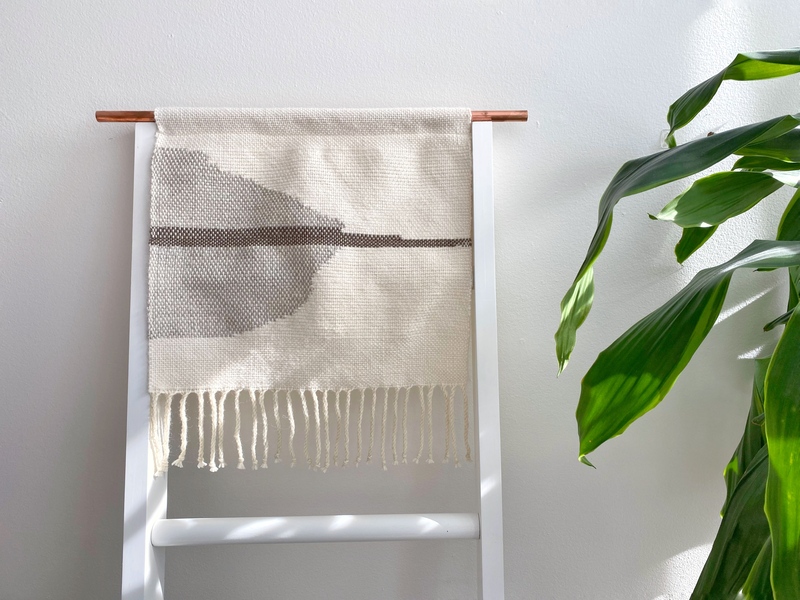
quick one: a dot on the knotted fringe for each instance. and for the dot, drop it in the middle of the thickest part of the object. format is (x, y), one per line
(322, 448)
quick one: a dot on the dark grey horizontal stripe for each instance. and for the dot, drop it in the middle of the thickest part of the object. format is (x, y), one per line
(296, 235)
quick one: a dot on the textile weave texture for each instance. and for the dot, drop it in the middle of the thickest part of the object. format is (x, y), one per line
(313, 262)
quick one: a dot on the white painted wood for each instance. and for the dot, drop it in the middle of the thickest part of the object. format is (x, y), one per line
(145, 496)
(327, 528)
(486, 384)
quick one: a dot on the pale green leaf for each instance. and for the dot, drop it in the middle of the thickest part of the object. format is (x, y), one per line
(744, 67)
(716, 198)
(643, 174)
(575, 308)
(633, 375)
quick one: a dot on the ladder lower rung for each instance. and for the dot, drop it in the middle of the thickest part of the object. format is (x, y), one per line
(327, 528)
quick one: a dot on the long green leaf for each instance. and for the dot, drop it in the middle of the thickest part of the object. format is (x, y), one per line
(716, 198)
(758, 586)
(749, 66)
(691, 239)
(633, 375)
(740, 538)
(782, 320)
(789, 229)
(753, 437)
(762, 163)
(782, 428)
(784, 147)
(643, 174)
(575, 308)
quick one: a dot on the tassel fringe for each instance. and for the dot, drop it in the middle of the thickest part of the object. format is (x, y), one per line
(322, 447)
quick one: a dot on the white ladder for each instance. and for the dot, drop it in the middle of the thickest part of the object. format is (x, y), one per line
(147, 531)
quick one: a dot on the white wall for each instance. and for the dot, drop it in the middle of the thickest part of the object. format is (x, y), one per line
(597, 78)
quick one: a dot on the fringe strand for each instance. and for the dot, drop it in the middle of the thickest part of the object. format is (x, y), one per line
(328, 449)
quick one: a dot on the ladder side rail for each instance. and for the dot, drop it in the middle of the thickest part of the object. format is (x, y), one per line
(486, 384)
(145, 495)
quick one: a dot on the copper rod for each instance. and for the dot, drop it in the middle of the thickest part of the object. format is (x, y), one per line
(147, 116)
(499, 115)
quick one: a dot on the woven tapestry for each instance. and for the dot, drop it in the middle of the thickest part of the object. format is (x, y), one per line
(311, 275)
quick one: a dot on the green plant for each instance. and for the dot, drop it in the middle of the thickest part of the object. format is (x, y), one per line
(756, 553)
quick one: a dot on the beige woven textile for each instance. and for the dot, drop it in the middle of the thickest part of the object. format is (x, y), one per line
(310, 270)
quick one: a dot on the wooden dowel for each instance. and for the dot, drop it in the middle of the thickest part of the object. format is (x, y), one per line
(147, 116)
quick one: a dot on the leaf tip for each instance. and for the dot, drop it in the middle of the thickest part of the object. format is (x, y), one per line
(585, 461)
(562, 364)
(681, 254)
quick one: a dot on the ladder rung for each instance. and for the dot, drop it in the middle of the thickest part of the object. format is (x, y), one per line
(327, 528)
